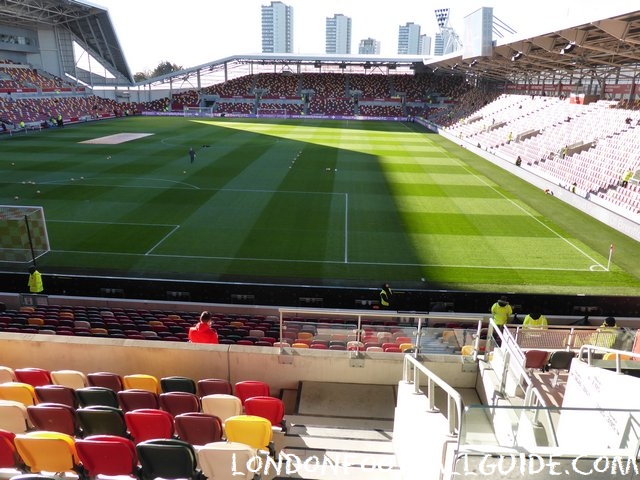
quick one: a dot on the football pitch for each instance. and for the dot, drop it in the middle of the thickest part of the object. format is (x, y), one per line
(305, 202)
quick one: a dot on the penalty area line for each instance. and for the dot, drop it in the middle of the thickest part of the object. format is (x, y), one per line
(176, 227)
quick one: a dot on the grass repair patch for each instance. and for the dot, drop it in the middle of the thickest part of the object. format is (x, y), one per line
(117, 138)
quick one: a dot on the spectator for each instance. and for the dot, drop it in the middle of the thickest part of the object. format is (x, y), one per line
(626, 177)
(202, 331)
(385, 296)
(501, 311)
(35, 281)
(535, 320)
(606, 334)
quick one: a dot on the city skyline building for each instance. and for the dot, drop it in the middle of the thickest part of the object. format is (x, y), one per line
(338, 34)
(409, 39)
(425, 45)
(277, 28)
(369, 46)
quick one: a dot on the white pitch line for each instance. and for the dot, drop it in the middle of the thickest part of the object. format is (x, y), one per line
(114, 223)
(346, 228)
(482, 180)
(327, 262)
(176, 227)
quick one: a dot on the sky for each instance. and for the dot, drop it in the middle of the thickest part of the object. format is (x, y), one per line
(193, 32)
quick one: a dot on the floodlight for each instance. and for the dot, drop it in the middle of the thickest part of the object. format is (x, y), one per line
(568, 48)
(517, 56)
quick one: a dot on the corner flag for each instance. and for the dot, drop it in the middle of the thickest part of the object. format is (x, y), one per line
(610, 255)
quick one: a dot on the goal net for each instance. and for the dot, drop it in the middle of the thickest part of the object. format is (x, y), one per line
(198, 111)
(23, 233)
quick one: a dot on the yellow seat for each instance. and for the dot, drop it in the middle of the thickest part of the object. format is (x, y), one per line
(466, 350)
(612, 356)
(300, 345)
(18, 392)
(405, 346)
(48, 451)
(141, 381)
(251, 430)
(305, 335)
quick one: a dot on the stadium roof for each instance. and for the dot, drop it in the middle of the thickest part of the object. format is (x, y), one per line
(89, 25)
(600, 49)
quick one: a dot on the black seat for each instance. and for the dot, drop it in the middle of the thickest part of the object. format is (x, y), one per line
(559, 360)
(167, 458)
(178, 384)
(102, 420)
(90, 396)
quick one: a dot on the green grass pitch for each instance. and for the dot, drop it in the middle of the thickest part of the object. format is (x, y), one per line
(306, 202)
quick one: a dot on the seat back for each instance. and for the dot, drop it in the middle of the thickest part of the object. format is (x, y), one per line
(91, 396)
(179, 402)
(48, 451)
(168, 459)
(106, 380)
(221, 405)
(535, 359)
(178, 384)
(9, 457)
(13, 416)
(226, 460)
(33, 376)
(212, 386)
(560, 360)
(102, 420)
(249, 429)
(198, 428)
(136, 398)
(141, 381)
(107, 455)
(149, 423)
(251, 388)
(18, 392)
(69, 378)
(270, 408)
(54, 417)
(7, 374)
(57, 394)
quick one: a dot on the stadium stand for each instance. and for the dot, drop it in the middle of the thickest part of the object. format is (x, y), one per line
(584, 141)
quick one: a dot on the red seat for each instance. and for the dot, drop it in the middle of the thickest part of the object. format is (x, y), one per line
(198, 428)
(251, 388)
(212, 386)
(107, 455)
(9, 457)
(267, 407)
(148, 423)
(105, 379)
(179, 402)
(54, 417)
(57, 394)
(134, 399)
(33, 376)
(535, 359)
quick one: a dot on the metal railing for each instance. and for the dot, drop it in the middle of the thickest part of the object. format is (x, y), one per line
(413, 372)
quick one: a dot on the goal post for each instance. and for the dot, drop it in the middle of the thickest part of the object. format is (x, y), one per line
(198, 111)
(23, 234)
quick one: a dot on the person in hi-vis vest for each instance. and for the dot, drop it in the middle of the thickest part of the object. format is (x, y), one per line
(35, 281)
(385, 296)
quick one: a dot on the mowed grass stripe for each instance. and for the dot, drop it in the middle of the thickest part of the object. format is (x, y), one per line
(501, 251)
